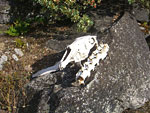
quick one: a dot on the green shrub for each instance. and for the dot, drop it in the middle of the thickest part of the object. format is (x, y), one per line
(72, 9)
(20, 43)
(18, 28)
(1, 32)
(145, 3)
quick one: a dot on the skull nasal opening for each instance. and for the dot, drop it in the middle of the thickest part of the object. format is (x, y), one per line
(68, 50)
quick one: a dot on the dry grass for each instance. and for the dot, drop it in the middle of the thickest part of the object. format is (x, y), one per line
(11, 90)
(16, 74)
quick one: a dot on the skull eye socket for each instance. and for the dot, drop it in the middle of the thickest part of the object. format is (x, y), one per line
(92, 40)
(68, 50)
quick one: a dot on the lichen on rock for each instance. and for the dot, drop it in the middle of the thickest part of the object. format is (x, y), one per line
(121, 81)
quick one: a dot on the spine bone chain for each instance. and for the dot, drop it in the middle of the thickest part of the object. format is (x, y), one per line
(99, 54)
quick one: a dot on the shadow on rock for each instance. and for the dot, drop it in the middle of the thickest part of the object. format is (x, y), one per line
(31, 107)
(47, 61)
(42, 91)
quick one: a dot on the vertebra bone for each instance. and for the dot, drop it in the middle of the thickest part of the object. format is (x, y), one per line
(99, 54)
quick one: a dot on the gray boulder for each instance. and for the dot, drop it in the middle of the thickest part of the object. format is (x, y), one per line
(141, 14)
(4, 11)
(57, 45)
(121, 81)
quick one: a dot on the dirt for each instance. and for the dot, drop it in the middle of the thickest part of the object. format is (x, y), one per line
(33, 52)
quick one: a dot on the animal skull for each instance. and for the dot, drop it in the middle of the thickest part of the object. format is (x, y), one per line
(78, 51)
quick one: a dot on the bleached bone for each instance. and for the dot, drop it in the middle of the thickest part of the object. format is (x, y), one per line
(78, 50)
(47, 70)
(99, 54)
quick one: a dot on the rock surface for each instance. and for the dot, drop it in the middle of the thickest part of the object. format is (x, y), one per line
(140, 13)
(3, 59)
(57, 45)
(121, 81)
(4, 11)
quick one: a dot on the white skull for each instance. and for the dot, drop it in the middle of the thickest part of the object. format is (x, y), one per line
(78, 50)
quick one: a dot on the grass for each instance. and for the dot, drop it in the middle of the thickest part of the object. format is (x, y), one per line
(11, 90)
(1, 32)
(16, 74)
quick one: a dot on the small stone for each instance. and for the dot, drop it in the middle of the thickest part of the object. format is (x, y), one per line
(7, 52)
(15, 57)
(3, 59)
(18, 52)
(27, 44)
(28, 68)
(2, 46)
(142, 28)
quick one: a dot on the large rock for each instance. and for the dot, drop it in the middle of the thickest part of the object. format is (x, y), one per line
(141, 14)
(12, 10)
(4, 11)
(121, 81)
